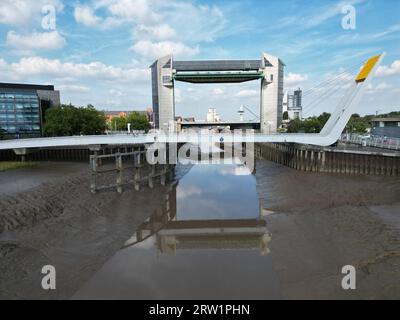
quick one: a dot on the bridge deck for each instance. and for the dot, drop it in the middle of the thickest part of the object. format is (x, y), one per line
(314, 139)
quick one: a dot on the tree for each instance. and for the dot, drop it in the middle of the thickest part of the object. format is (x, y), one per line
(2, 133)
(357, 124)
(118, 123)
(324, 117)
(312, 125)
(67, 120)
(285, 116)
(92, 121)
(294, 126)
(138, 121)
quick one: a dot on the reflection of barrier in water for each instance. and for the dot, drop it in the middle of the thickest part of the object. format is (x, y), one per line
(214, 234)
(171, 235)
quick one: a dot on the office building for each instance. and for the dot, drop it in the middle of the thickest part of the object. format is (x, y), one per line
(22, 108)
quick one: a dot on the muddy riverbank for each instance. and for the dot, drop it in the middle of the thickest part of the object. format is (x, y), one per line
(316, 223)
(54, 219)
(321, 222)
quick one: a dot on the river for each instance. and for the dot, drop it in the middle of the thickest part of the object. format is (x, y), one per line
(217, 232)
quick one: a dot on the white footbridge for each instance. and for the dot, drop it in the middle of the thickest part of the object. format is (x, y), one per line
(328, 136)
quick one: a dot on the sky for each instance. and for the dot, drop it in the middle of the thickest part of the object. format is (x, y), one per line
(99, 52)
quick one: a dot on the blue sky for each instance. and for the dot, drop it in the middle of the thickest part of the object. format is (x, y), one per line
(99, 51)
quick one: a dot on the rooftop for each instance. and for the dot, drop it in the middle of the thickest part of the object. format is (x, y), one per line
(387, 119)
(23, 86)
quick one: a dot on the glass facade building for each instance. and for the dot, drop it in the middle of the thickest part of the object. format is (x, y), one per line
(20, 113)
(22, 109)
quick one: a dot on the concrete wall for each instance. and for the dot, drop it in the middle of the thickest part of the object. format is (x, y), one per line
(390, 132)
(52, 96)
(272, 95)
(303, 158)
(163, 93)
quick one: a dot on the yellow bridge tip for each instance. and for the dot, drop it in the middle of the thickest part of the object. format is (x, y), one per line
(365, 71)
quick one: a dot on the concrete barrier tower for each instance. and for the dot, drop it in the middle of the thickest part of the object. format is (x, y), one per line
(271, 94)
(163, 94)
(165, 71)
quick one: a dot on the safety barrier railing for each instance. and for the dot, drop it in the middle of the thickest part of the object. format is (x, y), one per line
(372, 141)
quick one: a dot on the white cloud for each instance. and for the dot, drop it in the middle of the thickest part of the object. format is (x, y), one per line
(116, 92)
(383, 86)
(294, 79)
(151, 49)
(391, 70)
(38, 66)
(155, 23)
(378, 88)
(217, 91)
(35, 41)
(390, 30)
(248, 93)
(159, 32)
(86, 16)
(178, 95)
(235, 171)
(188, 191)
(316, 17)
(20, 12)
(136, 10)
(73, 88)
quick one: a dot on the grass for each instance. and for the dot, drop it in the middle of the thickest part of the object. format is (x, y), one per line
(10, 165)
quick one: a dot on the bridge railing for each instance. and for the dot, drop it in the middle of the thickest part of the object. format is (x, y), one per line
(371, 141)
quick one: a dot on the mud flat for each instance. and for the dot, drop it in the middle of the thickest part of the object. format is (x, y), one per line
(48, 216)
(321, 222)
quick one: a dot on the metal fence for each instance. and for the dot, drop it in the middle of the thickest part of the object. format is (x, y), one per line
(130, 168)
(372, 141)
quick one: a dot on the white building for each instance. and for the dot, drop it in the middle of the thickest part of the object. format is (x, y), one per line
(294, 105)
(212, 115)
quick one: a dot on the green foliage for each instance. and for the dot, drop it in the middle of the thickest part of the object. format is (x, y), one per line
(310, 125)
(10, 165)
(118, 124)
(323, 118)
(2, 133)
(67, 120)
(295, 126)
(357, 124)
(137, 120)
(390, 114)
(285, 116)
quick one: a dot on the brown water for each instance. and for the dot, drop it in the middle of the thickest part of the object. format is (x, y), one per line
(219, 231)
(214, 245)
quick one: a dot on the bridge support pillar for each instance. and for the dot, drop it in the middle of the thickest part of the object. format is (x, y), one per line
(23, 152)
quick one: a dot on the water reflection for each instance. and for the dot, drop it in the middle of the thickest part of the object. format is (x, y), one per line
(172, 233)
(208, 241)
